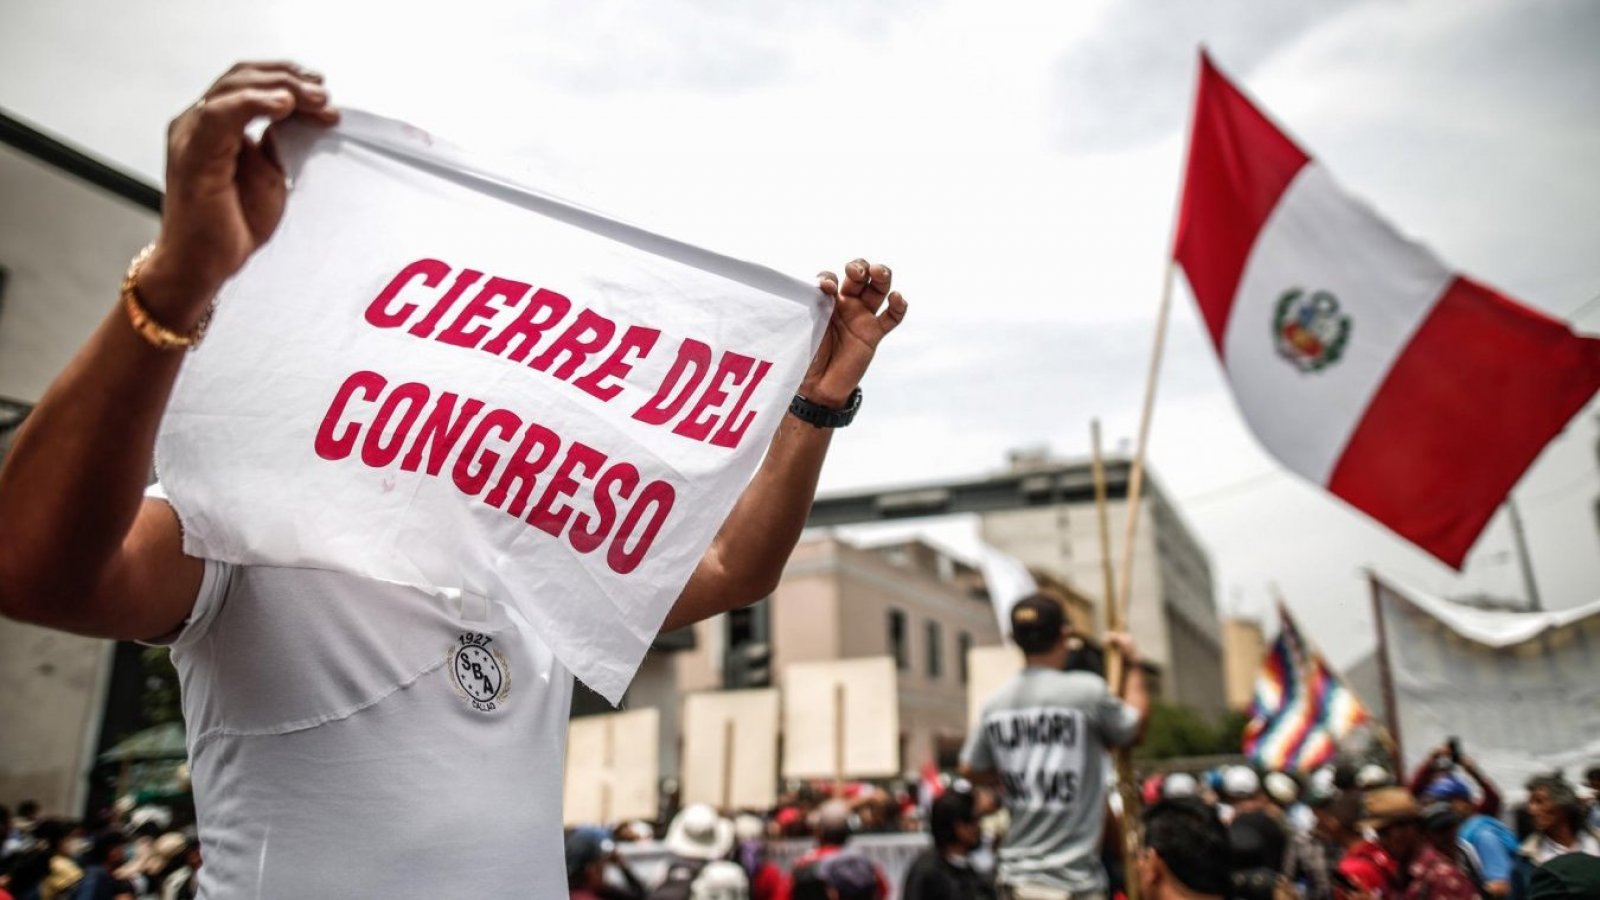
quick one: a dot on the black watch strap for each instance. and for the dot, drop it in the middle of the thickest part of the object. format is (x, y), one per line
(822, 416)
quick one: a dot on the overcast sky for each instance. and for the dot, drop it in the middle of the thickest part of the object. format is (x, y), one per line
(1017, 164)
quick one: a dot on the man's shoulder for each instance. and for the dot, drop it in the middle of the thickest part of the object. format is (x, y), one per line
(1048, 687)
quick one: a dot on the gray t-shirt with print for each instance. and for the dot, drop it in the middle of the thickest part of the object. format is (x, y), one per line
(1045, 734)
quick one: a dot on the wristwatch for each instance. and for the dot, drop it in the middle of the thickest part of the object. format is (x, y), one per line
(822, 416)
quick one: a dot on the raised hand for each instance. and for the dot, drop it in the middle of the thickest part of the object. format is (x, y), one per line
(225, 192)
(865, 309)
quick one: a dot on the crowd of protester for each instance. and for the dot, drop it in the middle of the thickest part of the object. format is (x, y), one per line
(129, 854)
(1342, 833)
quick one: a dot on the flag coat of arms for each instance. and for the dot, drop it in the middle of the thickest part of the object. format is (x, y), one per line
(1301, 709)
(1359, 359)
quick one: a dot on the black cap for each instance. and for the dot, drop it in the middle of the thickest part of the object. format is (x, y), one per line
(585, 846)
(1036, 623)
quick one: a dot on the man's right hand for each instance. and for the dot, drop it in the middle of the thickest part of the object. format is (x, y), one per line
(225, 192)
(82, 550)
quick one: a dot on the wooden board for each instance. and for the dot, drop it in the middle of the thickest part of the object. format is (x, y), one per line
(841, 719)
(730, 749)
(612, 768)
(988, 669)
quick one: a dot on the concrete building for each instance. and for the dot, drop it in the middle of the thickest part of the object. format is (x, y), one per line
(838, 601)
(1243, 647)
(1042, 511)
(68, 227)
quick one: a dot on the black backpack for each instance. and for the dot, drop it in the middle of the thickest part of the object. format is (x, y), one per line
(806, 883)
(681, 874)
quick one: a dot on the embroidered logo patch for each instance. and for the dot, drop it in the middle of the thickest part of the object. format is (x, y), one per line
(480, 674)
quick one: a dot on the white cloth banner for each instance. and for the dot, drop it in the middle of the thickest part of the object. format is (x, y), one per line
(1007, 581)
(1521, 690)
(433, 376)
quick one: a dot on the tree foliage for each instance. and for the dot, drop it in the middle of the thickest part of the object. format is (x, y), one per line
(159, 701)
(1179, 731)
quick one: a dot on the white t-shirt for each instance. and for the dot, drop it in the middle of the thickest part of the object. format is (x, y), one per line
(353, 738)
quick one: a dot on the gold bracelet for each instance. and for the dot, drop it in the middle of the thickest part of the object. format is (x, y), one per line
(155, 334)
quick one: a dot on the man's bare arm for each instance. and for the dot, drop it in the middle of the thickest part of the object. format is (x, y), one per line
(747, 557)
(80, 549)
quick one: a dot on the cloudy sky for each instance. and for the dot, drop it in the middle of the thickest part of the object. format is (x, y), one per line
(1017, 164)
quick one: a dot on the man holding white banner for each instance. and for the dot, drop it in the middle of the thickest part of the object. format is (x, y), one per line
(448, 443)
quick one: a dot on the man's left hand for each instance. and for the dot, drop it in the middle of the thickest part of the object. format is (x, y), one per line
(865, 309)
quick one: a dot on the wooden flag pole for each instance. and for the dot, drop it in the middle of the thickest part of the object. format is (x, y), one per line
(1102, 513)
(1136, 471)
(727, 767)
(838, 740)
(1122, 756)
(1386, 678)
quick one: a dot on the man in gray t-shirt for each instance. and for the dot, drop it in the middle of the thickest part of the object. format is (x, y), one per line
(1042, 739)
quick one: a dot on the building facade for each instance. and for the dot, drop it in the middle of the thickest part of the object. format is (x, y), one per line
(68, 227)
(1042, 511)
(908, 601)
(1244, 646)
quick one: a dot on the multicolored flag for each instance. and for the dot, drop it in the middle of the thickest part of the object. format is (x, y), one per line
(1301, 710)
(1361, 361)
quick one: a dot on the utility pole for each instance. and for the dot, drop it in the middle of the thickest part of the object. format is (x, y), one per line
(1529, 584)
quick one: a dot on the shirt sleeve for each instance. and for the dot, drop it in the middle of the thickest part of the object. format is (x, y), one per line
(975, 753)
(1492, 855)
(213, 588)
(1117, 721)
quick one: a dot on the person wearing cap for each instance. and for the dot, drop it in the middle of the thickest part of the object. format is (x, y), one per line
(1180, 786)
(1441, 764)
(700, 843)
(1043, 738)
(1423, 871)
(1185, 853)
(944, 871)
(1489, 846)
(1361, 866)
(586, 852)
(1242, 793)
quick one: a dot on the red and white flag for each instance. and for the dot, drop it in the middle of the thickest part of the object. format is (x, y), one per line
(1360, 360)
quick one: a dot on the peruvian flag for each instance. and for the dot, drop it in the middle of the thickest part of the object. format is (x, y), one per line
(1361, 360)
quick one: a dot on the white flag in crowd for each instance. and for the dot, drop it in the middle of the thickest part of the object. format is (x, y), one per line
(1008, 581)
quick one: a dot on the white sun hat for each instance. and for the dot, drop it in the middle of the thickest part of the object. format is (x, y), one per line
(699, 833)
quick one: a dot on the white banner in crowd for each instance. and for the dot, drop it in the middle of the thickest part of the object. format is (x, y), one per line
(1520, 690)
(435, 377)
